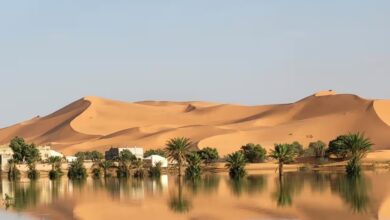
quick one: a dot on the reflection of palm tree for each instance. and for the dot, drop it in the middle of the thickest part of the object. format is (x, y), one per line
(287, 187)
(179, 203)
(210, 183)
(283, 195)
(354, 191)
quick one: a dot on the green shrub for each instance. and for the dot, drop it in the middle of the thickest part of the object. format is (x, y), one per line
(77, 170)
(254, 153)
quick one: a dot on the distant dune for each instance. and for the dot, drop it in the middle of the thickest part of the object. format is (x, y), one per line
(94, 123)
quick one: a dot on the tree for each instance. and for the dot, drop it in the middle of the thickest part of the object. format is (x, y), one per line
(105, 165)
(298, 147)
(358, 146)
(154, 152)
(337, 147)
(13, 172)
(90, 155)
(55, 163)
(236, 162)
(155, 171)
(125, 159)
(32, 173)
(77, 170)
(177, 150)
(139, 168)
(254, 153)
(23, 152)
(318, 149)
(193, 170)
(208, 155)
(283, 153)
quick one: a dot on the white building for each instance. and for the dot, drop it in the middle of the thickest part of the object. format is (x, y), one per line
(6, 154)
(70, 159)
(154, 159)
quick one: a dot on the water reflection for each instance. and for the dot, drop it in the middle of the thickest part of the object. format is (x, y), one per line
(354, 190)
(178, 202)
(287, 187)
(181, 195)
(250, 185)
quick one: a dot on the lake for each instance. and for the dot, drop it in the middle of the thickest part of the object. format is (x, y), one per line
(259, 196)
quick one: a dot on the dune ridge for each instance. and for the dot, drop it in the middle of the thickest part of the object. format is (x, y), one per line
(94, 123)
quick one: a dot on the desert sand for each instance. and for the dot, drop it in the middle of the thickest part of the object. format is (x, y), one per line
(94, 123)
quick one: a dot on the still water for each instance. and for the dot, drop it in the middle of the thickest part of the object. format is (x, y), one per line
(260, 196)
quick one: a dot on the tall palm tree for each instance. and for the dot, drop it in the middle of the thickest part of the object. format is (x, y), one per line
(283, 153)
(236, 162)
(55, 162)
(358, 146)
(177, 149)
(105, 165)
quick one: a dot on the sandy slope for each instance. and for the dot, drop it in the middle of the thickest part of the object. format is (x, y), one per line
(97, 123)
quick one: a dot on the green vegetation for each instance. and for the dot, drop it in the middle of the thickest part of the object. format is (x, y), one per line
(138, 168)
(236, 162)
(298, 147)
(77, 170)
(105, 165)
(338, 148)
(154, 152)
(284, 153)
(193, 170)
(125, 159)
(254, 153)
(55, 171)
(32, 172)
(317, 149)
(177, 150)
(358, 146)
(208, 155)
(155, 171)
(90, 155)
(23, 152)
(13, 172)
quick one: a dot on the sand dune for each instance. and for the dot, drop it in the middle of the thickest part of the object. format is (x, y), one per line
(97, 123)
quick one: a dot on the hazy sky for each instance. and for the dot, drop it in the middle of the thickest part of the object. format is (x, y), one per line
(239, 51)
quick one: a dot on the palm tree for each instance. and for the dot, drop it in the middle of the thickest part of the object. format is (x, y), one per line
(177, 149)
(358, 146)
(236, 163)
(55, 162)
(139, 168)
(283, 153)
(193, 171)
(105, 165)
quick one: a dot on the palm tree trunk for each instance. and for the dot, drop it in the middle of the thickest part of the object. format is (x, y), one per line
(179, 163)
(280, 169)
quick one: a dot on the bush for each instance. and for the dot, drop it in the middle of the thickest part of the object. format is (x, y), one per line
(155, 171)
(298, 148)
(193, 170)
(154, 152)
(96, 172)
(236, 162)
(353, 167)
(338, 148)
(32, 172)
(254, 153)
(77, 170)
(317, 149)
(55, 174)
(90, 155)
(208, 155)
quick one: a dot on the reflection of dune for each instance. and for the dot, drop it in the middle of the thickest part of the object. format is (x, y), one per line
(97, 123)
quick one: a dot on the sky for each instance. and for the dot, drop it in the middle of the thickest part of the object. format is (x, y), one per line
(248, 52)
